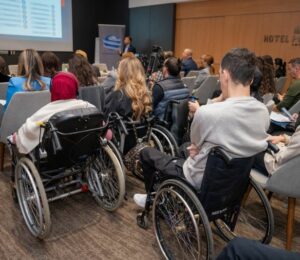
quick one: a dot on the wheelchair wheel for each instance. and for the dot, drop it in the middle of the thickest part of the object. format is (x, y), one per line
(32, 198)
(181, 226)
(254, 221)
(106, 179)
(166, 139)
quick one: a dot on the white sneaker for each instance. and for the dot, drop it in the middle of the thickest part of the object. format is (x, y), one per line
(140, 199)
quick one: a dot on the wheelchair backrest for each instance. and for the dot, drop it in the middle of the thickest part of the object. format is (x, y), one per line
(225, 181)
(78, 132)
(179, 119)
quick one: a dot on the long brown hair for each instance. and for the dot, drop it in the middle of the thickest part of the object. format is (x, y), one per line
(267, 83)
(132, 80)
(30, 66)
(209, 60)
(83, 70)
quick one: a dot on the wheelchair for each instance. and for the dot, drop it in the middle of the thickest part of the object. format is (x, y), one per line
(139, 134)
(72, 156)
(228, 198)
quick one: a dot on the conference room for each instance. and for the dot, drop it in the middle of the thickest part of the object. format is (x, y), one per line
(150, 129)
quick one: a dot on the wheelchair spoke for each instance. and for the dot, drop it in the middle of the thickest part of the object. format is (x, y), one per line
(178, 233)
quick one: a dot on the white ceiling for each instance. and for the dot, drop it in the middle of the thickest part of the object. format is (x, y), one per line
(139, 3)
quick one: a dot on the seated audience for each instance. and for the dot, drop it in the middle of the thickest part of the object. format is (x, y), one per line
(280, 70)
(81, 53)
(268, 83)
(213, 126)
(131, 97)
(293, 94)
(51, 64)
(246, 249)
(188, 63)
(267, 163)
(83, 71)
(255, 85)
(30, 71)
(64, 90)
(171, 87)
(4, 71)
(208, 69)
(268, 59)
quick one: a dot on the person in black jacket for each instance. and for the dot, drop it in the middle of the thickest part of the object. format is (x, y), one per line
(188, 63)
(4, 71)
(171, 87)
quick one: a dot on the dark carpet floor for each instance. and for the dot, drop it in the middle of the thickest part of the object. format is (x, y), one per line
(82, 230)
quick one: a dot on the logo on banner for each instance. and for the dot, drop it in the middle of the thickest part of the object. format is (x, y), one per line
(112, 42)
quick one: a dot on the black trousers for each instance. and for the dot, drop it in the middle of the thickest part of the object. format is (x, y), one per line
(245, 249)
(155, 162)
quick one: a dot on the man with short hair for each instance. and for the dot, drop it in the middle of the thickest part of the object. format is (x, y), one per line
(293, 94)
(169, 88)
(235, 122)
(188, 63)
(128, 47)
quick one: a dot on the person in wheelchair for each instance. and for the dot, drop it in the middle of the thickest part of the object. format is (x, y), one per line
(131, 98)
(170, 88)
(289, 148)
(235, 122)
(64, 88)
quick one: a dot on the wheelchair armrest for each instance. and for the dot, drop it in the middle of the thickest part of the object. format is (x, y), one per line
(273, 147)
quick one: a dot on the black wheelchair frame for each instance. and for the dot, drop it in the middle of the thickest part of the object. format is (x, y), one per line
(54, 171)
(181, 214)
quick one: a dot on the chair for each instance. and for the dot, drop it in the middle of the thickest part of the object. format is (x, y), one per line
(295, 108)
(94, 95)
(207, 88)
(193, 73)
(3, 90)
(267, 98)
(285, 181)
(270, 105)
(21, 106)
(102, 67)
(181, 74)
(189, 82)
(280, 84)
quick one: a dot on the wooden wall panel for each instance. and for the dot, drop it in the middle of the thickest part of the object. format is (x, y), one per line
(215, 26)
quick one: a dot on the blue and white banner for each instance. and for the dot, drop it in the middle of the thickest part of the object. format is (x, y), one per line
(111, 43)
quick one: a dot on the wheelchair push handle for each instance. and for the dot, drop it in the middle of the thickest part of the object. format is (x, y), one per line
(55, 142)
(113, 117)
(124, 128)
(273, 147)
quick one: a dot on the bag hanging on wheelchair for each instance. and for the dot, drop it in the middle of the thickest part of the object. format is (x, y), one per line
(132, 157)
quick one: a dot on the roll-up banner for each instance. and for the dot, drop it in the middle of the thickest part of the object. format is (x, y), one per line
(111, 43)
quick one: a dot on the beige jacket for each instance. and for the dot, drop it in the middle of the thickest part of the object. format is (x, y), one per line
(28, 135)
(286, 153)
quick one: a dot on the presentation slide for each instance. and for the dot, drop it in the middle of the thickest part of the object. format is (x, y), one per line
(38, 24)
(31, 18)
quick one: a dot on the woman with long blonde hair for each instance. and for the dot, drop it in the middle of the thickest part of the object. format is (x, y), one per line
(131, 97)
(30, 71)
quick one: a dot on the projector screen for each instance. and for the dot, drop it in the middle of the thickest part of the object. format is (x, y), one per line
(42, 25)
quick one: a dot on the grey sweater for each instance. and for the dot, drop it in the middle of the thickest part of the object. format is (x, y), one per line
(238, 125)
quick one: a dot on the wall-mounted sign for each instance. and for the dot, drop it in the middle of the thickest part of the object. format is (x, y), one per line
(284, 38)
(280, 38)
